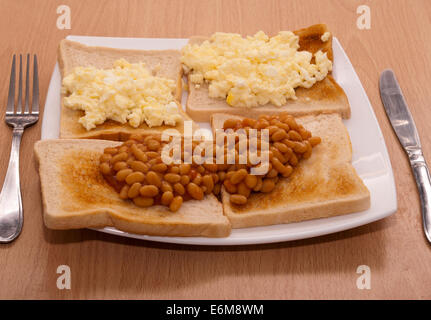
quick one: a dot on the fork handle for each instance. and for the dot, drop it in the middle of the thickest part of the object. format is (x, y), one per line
(11, 216)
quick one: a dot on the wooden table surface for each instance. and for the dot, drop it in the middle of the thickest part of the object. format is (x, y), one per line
(104, 266)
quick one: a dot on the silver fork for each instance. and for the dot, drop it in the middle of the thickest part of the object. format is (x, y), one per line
(11, 213)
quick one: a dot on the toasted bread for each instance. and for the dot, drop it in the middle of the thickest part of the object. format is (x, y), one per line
(75, 195)
(325, 96)
(322, 186)
(73, 54)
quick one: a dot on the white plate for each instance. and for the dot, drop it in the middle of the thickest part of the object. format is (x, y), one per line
(370, 157)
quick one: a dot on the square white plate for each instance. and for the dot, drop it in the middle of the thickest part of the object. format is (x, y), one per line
(370, 156)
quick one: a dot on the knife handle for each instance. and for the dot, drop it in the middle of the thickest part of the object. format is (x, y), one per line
(423, 181)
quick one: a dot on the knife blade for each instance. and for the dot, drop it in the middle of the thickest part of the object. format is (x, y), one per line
(404, 126)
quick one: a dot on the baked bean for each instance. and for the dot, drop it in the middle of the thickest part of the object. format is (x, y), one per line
(167, 198)
(211, 167)
(221, 175)
(111, 151)
(243, 189)
(174, 169)
(166, 186)
(105, 168)
(217, 189)
(153, 178)
(139, 166)
(277, 154)
(134, 190)
(277, 166)
(200, 170)
(238, 176)
(185, 168)
(138, 153)
(122, 174)
(293, 160)
(288, 143)
(281, 147)
(129, 142)
(105, 157)
(258, 184)
(176, 204)
(185, 180)
(261, 124)
(159, 167)
(300, 147)
(305, 134)
(123, 149)
(136, 176)
(230, 123)
(247, 122)
(119, 157)
(208, 182)
(250, 181)
(120, 165)
(172, 177)
(214, 177)
(307, 154)
(238, 199)
(143, 202)
(149, 191)
(272, 129)
(124, 192)
(272, 173)
(230, 173)
(294, 135)
(291, 122)
(280, 134)
(314, 141)
(267, 185)
(194, 191)
(198, 179)
(153, 145)
(231, 188)
(283, 126)
(179, 188)
(152, 154)
(154, 161)
(288, 171)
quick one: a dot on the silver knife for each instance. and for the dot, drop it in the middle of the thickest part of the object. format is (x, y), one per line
(404, 126)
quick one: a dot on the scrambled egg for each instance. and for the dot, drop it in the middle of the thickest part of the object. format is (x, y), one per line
(255, 70)
(325, 37)
(126, 93)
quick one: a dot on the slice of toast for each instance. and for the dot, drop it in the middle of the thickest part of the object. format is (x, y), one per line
(163, 63)
(322, 186)
(325, 96)
(75, 195)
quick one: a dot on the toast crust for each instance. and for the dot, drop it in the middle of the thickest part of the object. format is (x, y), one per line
(325, 96)
(73, 54)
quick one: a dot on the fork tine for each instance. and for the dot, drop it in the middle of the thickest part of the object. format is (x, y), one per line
(11, 96)
(35, 99)
(27, 85)
(19, 102)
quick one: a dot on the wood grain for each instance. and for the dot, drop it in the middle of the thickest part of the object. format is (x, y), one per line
(105, 266)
